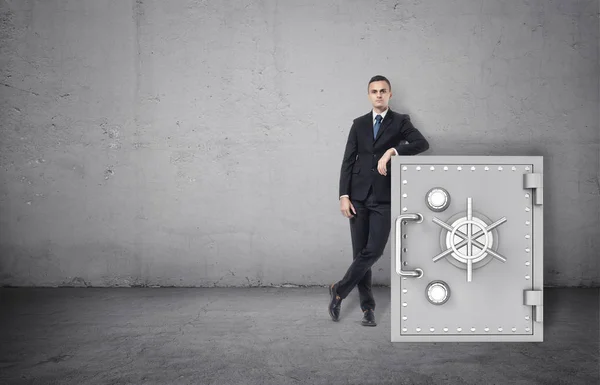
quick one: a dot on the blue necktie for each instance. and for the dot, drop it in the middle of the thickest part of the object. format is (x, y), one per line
(376, 126)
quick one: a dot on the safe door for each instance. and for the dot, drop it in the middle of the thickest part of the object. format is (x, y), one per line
(467, 248)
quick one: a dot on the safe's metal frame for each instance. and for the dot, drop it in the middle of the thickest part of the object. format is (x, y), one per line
(490, 286)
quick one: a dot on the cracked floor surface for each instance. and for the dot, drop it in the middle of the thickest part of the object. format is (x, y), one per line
(268, 336)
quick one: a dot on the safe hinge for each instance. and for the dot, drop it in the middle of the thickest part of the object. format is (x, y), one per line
(535, 298)
(535, 182)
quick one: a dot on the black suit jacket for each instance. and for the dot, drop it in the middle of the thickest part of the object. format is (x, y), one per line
(359, 166)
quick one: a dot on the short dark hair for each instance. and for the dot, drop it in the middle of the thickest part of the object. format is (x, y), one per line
(379, 78)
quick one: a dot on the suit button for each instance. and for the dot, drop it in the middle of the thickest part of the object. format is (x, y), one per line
(373, 169)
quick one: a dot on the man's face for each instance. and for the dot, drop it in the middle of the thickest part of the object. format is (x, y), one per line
(380, 94)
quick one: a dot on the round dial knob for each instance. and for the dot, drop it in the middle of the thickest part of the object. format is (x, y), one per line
(438, 292)
(437, 199)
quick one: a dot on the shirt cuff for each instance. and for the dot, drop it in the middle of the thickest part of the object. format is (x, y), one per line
(347, 196)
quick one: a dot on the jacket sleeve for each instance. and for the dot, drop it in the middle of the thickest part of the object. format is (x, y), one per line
(416, 141)
(348, 161)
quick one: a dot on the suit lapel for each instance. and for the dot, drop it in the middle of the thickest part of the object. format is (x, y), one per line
(367, 130)
(384, 124)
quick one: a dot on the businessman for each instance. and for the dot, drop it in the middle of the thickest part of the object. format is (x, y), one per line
(365, 184)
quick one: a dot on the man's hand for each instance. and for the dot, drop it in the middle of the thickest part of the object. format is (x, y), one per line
(381, 165)
(346, 207)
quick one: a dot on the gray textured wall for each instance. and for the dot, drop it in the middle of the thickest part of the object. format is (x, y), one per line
(199, 143)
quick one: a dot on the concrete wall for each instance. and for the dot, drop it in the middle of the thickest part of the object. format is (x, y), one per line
(198, 143)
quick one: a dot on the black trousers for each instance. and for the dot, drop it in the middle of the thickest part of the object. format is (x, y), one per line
(370, 231)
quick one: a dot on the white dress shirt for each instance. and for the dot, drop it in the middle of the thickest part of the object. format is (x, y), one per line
(382, 115)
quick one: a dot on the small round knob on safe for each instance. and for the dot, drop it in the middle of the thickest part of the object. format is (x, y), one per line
(437, 199)
(438, 292)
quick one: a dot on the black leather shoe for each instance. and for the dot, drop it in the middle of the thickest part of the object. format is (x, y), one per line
(369, 318)
(334, 304)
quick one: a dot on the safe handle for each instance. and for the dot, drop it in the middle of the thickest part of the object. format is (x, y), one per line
(416, 273)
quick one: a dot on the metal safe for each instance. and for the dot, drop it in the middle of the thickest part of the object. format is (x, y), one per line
(467, 248)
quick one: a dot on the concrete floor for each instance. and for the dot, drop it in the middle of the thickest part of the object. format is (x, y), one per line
(267, 336)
